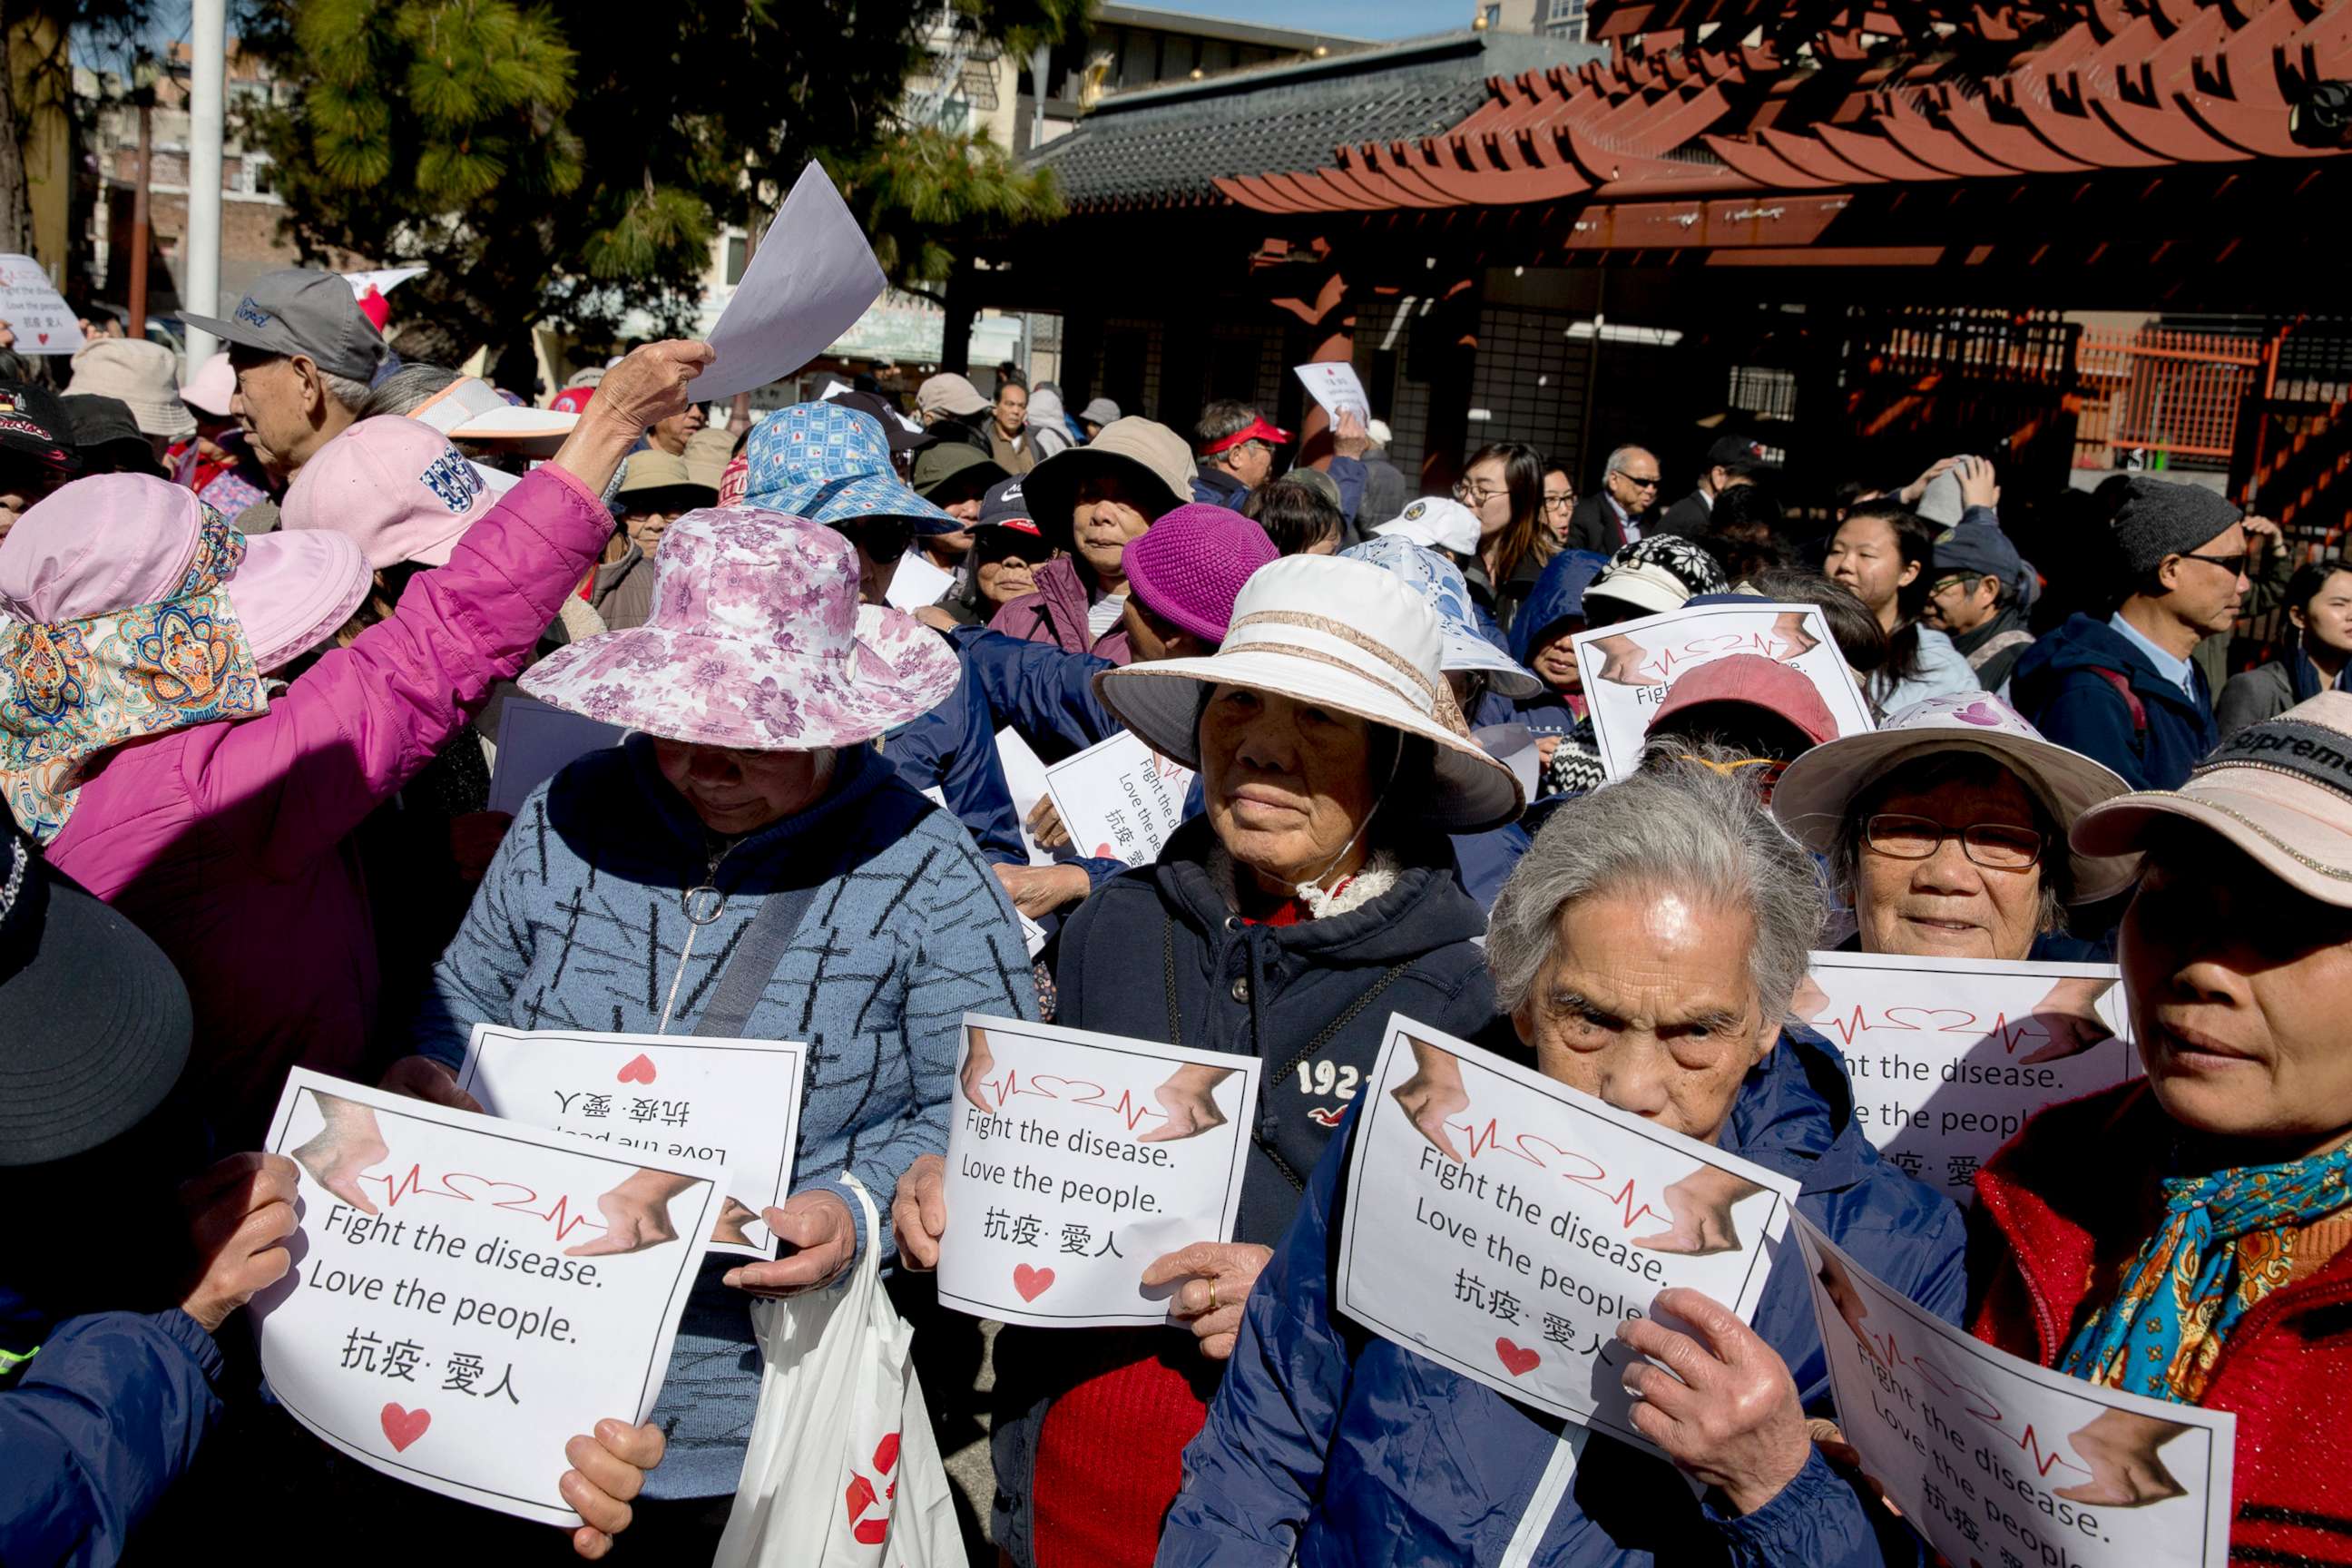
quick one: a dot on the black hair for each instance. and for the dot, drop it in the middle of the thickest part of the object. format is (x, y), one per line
(2308, 580)
(1915, 542)
(1743, 533)
(1523, 536)
(1860, 639)
(1296, 517)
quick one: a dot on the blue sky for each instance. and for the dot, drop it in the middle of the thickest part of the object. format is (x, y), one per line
(1353, 18)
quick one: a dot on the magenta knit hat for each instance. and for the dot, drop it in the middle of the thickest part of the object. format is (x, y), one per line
(1189, 565)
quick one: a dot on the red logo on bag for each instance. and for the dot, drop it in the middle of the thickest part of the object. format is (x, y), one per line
(861, 1496)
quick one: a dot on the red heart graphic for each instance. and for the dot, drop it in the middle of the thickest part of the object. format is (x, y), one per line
(1516, 1361)
(43, 337)
(404, 1426)
(1031, 1282)
(1102, 852)
(639, 1070)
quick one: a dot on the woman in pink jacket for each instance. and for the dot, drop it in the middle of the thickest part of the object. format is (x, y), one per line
(141, 744)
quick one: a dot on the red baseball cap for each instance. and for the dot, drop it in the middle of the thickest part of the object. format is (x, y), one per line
(572, 400)
(1258, 430)
(1779, 689)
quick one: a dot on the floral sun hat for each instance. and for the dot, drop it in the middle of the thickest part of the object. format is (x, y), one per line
(756, 641)
(832, 464)
(1440, 584)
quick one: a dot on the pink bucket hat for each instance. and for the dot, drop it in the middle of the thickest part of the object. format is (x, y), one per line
(757, 641)
(113, 541)
(1189, 566)
(393, 486)
(209, 389)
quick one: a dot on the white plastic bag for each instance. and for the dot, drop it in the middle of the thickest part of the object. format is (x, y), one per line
(842, 1471)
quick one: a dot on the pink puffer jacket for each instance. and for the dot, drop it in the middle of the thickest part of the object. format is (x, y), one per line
(226, 843)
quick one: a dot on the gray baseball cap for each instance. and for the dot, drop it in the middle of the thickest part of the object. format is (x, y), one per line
(295, 310)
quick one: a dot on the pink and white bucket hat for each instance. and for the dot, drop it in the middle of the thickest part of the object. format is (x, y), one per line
(757, 642)
(393, 486)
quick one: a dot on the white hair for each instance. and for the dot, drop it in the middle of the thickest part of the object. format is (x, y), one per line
(350, 393)
(1620, 456)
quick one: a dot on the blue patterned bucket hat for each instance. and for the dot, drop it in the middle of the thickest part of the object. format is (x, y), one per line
(832, 464)
(1439, 582)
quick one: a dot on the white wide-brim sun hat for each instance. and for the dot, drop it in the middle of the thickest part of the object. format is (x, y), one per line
(1820, 787)
(1339, 634)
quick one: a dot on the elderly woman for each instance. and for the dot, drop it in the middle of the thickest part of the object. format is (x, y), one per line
(143, 749)
(2201, 1257)
(745, 865)
(1644, 951)
(1945, 831)
(1315, 894)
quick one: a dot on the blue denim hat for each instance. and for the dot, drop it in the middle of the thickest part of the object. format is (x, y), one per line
(832, 464)
(1440, 584)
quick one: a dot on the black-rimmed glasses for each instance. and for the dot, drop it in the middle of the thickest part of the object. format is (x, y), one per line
(1995, 846)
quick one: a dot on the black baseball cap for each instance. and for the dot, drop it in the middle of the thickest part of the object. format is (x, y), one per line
(1740, 454)
(295, 310)
(94, 1021)
(106, 436)
(1005, 506)
(34, 424)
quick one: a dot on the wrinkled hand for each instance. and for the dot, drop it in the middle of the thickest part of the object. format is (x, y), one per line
(1217, 1276)
(2120, 1447)
(1977, 486)
(1045, 824)
(1431, 1094)
(2070, 1014)
(649, 385)
(475, 837)
(1348, 436)
(1722, 1406)
(607, 1472)
(1701, 1204)
(1909, 494)
(1621, 657)
(422, 1078)
(938, 620)
(347, 1145)
(637, 1215)
(1189, 1098)
(978, 1061)
(1038, 890)
(918, 1214)
(239, 1215)
(820, 1241)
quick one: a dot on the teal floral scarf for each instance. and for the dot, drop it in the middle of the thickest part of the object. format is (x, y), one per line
(2226, 1241)
(72, 690)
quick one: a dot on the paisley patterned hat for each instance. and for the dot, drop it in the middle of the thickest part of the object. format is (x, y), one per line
(1440, 584)
(756, 641)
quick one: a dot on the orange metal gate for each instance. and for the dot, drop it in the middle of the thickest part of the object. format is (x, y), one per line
(2173, 395)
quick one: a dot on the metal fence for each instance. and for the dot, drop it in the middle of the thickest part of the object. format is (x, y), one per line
(2173, 397)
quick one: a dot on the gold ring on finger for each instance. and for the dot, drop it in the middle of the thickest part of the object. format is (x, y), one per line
(1213, 1294)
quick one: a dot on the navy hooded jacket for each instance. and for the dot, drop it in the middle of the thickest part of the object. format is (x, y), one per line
(99, 1415)
(952, 749)
(2056, 685)
(1329, 1442)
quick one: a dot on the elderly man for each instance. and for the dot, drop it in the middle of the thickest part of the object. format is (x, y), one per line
(1009, 441)
(304, 356)
(1645, 951)
(1625, 508)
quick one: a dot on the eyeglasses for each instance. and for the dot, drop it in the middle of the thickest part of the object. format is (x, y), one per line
(1995, 846)
(1561, 501)
(2235, 566)
(1637, 481)
(1477, 495)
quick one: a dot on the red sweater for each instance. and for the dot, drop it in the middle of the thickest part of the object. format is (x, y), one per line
(2064, 1206)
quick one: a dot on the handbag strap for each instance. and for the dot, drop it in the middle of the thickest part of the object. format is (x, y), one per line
(753, 964)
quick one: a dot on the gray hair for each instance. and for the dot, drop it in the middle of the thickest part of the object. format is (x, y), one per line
(351, 395)
(1919, 774)
(1620, 456)
(406, 389)
(1675, 824)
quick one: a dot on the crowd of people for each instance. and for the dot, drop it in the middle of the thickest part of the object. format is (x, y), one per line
(257, 624)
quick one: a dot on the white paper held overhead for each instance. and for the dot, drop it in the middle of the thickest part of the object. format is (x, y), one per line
(34, 312)
(811, 278)
(1334, 386)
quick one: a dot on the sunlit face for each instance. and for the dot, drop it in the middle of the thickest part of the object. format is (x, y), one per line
(2326, 620)
(1555, 662)
(1558, 504)
(1287, 783)
(646, 527)
(1484, 489)
(1866, 557)
(672, 434)
(1645, 1002)
(2205, 592)
(1635, 484)
(1959, 603)
(735, 793)
(1011, 409)
(1250, 462)
(1107, 517)
(286, 411)
(2239, 988)
(1003, 565)
(1949, 906)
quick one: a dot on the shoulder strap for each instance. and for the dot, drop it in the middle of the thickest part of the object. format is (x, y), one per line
(2122, 683)
(753, 964)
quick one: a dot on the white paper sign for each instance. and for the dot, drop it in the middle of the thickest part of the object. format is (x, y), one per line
(34, 309)
(918, 582)
(737, 1102)
(1986, 1454)
(1024, 780)
(811, 278)
(1949, 1055)
(1629, 668)
(470, 1293)
(1536, 1218)
(1333, 384)
(535, 742)
(1120, 799)
(382, 280)
(1074, 1160)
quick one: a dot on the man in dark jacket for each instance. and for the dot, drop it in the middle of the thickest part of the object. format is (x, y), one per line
(1329, 1445)
(2125, 690)
(1731, 461)
(1624, 510)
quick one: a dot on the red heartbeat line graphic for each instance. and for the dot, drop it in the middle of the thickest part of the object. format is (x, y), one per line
(1125, 1108)
(1974, 1400)
(412, 1185)
(1899, 1020)
(1591, 1178)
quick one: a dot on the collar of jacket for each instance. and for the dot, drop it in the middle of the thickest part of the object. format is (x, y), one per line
(1795, 1114)
(2010, 620)
(860, 778)
(2083, 643)
(1424, 910)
